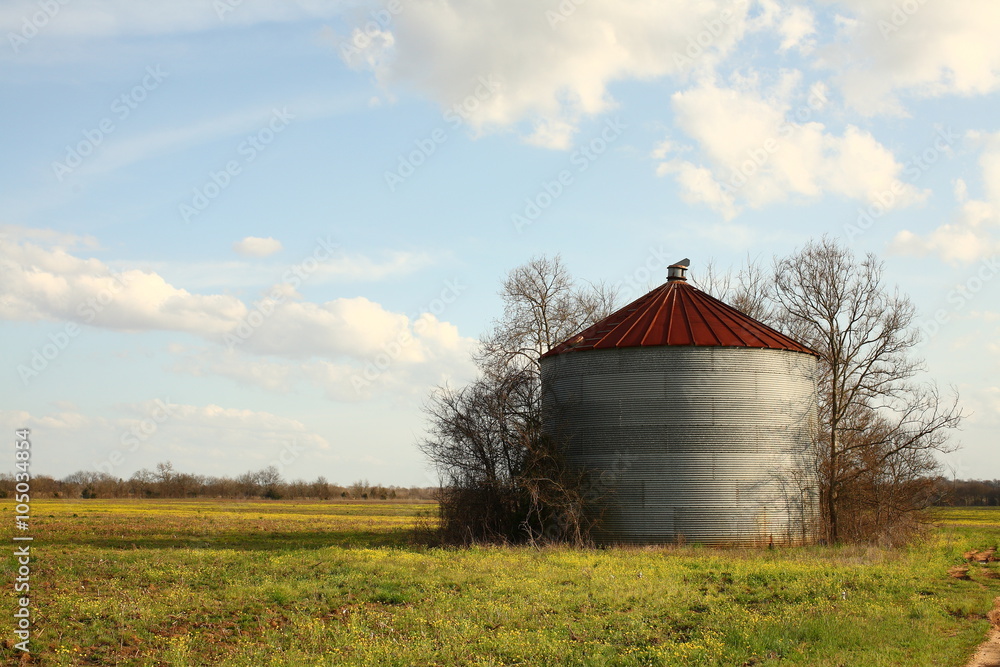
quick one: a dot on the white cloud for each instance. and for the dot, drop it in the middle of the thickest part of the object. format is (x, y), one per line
(50, 237)
(330, 344)
(49, 283)
(974, 231)
(346, 326)
(888, 48)
(699, 185)
(796, 28)
(753, 155)
(255, 246)
(405, 357)
(551, 62)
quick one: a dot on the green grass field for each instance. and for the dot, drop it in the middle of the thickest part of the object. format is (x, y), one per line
(310, 583)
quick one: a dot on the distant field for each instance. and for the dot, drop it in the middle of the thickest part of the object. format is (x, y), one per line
(967, 516)
(169, 582)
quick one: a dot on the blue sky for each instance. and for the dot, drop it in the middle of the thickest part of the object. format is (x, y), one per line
(237, 234)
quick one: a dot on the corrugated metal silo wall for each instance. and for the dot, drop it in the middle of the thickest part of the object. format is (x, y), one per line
(711, 445)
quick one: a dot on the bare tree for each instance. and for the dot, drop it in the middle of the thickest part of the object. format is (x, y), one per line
(321, 488)
(142, 484)
(480, 432)
(165, 472)
(269, 479)
(543, 306)
(96, 484)
(479, 441)
(502, 479)
(248, 484)
(878, 426)
(359, 489)
(749, 289)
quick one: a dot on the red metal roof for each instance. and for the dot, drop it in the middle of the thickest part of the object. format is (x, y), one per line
(676, 313)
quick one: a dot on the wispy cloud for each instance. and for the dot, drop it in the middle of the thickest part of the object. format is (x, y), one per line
(973, 233)
(342, 267)
(125, 150)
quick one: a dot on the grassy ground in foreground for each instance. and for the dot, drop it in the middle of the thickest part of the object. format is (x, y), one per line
(161, 582)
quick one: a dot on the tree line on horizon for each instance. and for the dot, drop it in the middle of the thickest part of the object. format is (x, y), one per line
(146, 484)
(166, 482)
(264, 484)
(969, 492)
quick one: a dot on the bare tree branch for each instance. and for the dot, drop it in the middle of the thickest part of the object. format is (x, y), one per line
(879, 427)
(503, 479)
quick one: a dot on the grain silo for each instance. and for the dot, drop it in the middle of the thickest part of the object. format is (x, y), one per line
(693, 422)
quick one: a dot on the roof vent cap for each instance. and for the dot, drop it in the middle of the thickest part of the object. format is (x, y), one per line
(678, 271)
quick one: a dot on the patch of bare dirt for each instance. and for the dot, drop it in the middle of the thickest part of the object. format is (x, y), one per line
(986, 556)
(988, 654)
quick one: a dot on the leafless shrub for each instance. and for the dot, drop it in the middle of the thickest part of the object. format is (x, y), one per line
(503, 480)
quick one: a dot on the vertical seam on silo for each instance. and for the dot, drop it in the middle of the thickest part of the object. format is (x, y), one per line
(722, 315)
(708, 326)
(637, 314)
(778, 339)
(687, 316)
(671, 298)
(656, 315)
